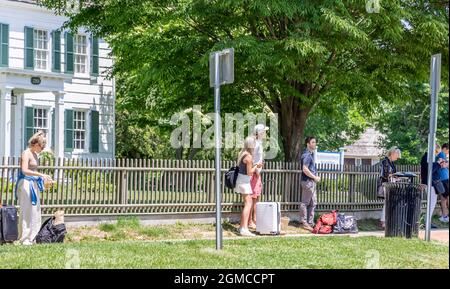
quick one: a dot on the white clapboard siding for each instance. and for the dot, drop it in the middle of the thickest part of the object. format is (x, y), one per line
(83, 92)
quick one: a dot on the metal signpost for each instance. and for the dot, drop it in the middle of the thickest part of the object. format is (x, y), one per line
(435, 77)
(221, 71)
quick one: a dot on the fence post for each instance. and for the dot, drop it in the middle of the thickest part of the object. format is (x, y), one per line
(123, 196)
(351, 187)
(2, 163)
(286, 193)
(212, 196)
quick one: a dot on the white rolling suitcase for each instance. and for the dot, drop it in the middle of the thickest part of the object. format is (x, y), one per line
(268, 218)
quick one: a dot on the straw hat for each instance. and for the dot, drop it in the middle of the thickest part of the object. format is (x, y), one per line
(59, 217)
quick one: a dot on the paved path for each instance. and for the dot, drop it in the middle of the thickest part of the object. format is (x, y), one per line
(437, 235)
(440, 235)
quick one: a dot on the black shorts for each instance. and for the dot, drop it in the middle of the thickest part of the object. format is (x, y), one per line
(445, 183)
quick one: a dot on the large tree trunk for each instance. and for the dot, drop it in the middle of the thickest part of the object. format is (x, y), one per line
(192, 153)
(292, 120)
(179, 153)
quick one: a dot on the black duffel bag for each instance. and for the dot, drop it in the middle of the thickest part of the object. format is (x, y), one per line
(345, 225)
(50, 233)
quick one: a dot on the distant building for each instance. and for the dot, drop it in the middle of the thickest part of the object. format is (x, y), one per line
(364, 151)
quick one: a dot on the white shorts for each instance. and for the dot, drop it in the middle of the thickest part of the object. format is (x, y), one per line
(243, 185)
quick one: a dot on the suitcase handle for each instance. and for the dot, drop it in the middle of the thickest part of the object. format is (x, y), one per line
(279, 220)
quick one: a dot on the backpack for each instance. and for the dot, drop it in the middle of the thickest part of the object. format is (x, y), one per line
(322, 229)
(50, 233)
(345, 224)
(325, 223)
(231, 177)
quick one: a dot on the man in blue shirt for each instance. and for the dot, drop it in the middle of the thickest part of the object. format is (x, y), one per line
(442, 159)
(308, 183)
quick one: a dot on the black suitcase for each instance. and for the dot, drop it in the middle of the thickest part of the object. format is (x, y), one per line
(9, 231)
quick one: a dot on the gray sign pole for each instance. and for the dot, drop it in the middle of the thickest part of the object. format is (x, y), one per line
(221, 71)
(435, 78)
(218, 138)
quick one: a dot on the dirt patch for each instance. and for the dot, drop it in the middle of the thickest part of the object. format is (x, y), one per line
(79, 234)
(151, 233)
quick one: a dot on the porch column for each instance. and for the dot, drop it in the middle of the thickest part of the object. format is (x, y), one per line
(59, 123)
(5, 121)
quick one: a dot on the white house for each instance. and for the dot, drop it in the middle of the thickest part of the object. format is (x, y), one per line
(53, 80)
(365, 150)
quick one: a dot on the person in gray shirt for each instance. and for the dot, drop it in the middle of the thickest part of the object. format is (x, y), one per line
(308, 183)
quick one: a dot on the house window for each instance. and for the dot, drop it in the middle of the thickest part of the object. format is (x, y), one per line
(80, 61)
(40, 49)
(40, 120)
(358, 162)
(79, 130)
(349, 161)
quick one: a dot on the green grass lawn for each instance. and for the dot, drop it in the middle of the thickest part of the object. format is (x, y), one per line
(263, 252)
(129, 244)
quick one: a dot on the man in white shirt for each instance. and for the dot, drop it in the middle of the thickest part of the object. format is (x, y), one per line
(259, 133)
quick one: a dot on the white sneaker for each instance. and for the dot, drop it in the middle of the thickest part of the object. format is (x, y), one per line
(443, 219)
(27, 243)
(246, 233)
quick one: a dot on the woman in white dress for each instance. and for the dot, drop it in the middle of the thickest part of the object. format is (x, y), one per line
(246, 170)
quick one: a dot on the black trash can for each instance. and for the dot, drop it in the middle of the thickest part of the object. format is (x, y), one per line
(403, 205)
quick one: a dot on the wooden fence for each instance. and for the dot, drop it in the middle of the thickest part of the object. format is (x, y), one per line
(143, 186)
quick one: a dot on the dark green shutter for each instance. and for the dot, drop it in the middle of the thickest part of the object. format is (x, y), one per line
(68, 130)
(95, 66)
(69, 52)
(56, 54)
(29, 125)
(53, 129)
(95, 131)
(4, 44)
(29, 48)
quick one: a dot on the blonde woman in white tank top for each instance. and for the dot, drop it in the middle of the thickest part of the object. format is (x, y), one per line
(29, 184)
(246, 170)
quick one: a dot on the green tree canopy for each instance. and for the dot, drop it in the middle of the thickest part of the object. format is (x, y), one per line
(336, 124)
(289, 54)
(406, 124)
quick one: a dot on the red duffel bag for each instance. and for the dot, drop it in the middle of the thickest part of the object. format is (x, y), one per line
(325, 223)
